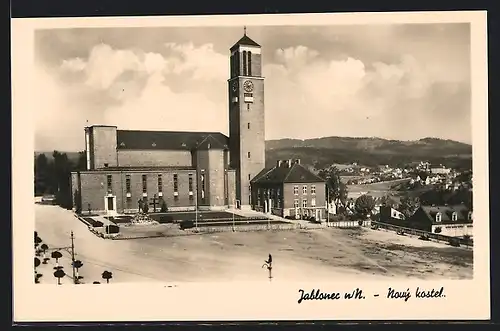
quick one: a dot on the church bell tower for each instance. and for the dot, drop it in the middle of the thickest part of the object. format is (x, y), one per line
(246, 116)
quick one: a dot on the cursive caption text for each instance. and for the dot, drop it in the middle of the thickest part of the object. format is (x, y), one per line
(358, 294)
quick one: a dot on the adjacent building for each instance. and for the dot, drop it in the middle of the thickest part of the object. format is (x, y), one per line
(289, 189)
(453, 221)
(440, 170)
(184, 169)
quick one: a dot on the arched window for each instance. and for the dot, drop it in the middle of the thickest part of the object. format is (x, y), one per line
(454, 216)
(249, 55)
(232, 65)
(244, 63)
(469, 216)
(438, 217)
(237, 62)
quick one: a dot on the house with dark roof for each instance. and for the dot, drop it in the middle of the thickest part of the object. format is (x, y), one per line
(451, 220)
(186, 170)
(289, 189)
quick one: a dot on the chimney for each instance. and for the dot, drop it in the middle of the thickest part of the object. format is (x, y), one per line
(278, 163)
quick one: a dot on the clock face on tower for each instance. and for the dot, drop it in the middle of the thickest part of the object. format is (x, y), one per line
(248, 86)
(235, 86)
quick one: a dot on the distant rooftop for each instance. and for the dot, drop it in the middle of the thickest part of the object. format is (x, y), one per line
(287, 171)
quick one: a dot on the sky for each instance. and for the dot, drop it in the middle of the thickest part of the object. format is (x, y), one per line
(403, 82)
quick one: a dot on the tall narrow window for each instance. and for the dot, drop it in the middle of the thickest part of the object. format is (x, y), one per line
(304, 203)
(248, 154)
(313, 202)
(249, 177)
(232, 65)
(313, 189)
(248, 106)
(296, 203)
(202, 186)
(127, 183)
(176, 184)
(237, 62)
(304, 189)
(190, 183)
(244, 63)
(249, 55)
(144, 184)
(110, 183)
(296, 190)
(248, 125)
(160, 183)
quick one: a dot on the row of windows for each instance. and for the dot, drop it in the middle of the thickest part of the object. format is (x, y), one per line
(246, 61)
(128, 180)
(269, 193)
(304, 189)
(304, 203)
(454, 217)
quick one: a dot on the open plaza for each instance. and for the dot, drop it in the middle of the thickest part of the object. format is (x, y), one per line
(312, 254)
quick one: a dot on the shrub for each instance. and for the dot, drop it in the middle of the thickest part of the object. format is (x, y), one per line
(454, 242)
(188, 224)
(163, 206)
(437, 230)
(360, 223)
(166, 219)
(112, 229)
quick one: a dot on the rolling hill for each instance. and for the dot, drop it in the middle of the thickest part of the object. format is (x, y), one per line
(369, 151)
(364, 151)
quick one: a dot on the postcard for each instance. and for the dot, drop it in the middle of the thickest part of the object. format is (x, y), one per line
(251, 167)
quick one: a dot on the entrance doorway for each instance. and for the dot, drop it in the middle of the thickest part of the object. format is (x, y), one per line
(110, 204)
(318, 215)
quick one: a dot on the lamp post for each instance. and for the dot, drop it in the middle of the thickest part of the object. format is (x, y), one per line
(71, 251)
(196, 206)
(327, 207)
(269, 266)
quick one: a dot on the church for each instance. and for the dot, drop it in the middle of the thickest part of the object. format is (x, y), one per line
(186, 170)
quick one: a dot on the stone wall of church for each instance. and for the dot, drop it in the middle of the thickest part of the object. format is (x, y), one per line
(152, 158)
(103, 147)
(94, 189)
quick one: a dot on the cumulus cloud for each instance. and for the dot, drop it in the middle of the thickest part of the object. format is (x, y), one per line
(182, 86)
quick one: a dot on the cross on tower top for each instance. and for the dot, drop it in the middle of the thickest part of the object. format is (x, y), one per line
(245, 30)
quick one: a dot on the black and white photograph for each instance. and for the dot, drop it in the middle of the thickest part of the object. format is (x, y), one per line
(223, 151)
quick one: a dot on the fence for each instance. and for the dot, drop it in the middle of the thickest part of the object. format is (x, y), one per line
(421, 233)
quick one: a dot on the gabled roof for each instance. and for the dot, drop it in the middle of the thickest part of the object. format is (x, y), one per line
(446, 213)
(169, 140)
(209, 142)
(285, 174)
(245, 41)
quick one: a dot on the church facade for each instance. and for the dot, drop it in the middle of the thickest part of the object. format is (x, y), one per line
(187, 170)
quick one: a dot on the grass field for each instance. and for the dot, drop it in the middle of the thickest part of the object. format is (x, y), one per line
(314, 254)
(202, 215)
(375, 189)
